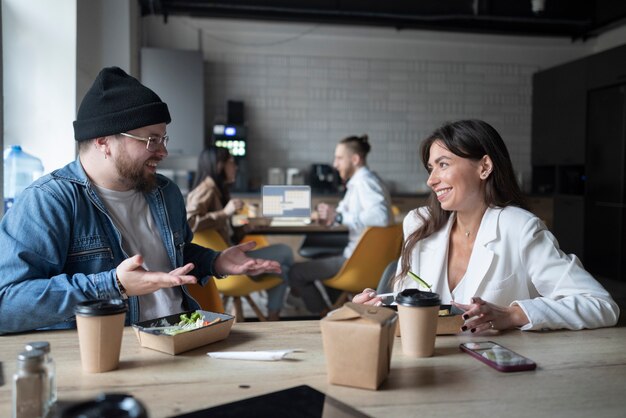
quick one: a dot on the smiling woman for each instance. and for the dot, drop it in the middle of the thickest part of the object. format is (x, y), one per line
(483, 252)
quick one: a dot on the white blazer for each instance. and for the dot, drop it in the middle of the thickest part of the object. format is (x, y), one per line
(515, 260)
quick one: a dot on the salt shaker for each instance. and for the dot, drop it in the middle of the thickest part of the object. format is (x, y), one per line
(30, 399)
(49, 366)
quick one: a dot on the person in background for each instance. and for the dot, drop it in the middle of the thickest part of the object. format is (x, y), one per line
(483, 252)
(209, 206)
(106, 225)
(366, 203)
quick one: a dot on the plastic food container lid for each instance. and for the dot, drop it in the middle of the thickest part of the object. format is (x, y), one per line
(415, 297)
(100, 307)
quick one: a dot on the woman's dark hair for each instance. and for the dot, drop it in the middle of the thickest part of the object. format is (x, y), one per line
(211, 163)
(358, 145)
(471, 139)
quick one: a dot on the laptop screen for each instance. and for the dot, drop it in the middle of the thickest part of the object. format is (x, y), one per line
(286, 201)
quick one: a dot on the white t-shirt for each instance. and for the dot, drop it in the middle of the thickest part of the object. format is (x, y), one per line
(131, 215)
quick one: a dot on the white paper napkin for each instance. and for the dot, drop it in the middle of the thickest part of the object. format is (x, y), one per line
(269, 355)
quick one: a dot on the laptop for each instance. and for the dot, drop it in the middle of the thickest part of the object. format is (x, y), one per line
(287, 205)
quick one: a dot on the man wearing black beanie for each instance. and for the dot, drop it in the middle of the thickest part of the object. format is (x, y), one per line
(107, 225)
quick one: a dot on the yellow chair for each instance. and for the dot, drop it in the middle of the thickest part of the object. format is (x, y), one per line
(207, 296)
(260, 240)
(235, 286)
(398, 216)
(377, 247)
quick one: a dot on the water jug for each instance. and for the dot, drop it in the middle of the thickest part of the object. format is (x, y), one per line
(20, 170)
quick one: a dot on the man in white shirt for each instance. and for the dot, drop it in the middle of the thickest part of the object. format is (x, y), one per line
(366, 203)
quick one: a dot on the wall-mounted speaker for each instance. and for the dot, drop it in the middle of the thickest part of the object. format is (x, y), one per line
(235, 111)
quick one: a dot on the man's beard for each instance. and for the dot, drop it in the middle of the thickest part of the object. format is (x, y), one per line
(133, 174)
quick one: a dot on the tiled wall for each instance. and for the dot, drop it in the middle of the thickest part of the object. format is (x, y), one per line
(307, 86)
(298, 107)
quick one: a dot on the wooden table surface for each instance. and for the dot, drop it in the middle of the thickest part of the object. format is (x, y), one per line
(579, 374)
(304, 229)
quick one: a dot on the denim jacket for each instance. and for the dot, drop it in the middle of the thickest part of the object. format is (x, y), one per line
(59, 247)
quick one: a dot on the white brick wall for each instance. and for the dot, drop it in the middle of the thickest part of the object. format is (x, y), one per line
(304, 95)
(298, 108)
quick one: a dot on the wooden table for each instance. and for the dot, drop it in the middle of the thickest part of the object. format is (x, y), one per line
(579, 374)
(297, 236)
(300, 229)
(263, 226)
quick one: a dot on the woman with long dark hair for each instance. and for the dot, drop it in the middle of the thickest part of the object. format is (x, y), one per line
(483, 252)
(209, 206)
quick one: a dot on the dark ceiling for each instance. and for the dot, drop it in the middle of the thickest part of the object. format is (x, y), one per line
(576, 19)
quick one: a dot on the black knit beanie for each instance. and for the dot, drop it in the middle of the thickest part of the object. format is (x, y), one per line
(115, 103)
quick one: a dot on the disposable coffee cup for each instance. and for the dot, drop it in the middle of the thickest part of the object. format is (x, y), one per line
(100, 326)
(418, 312)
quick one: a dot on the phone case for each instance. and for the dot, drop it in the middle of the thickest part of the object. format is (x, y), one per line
(498, 356)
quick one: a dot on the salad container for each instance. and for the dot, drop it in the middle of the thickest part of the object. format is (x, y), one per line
(156, 333)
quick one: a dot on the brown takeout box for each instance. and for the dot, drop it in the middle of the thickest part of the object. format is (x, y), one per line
(449, 324)
(185, 341)
(358, 341)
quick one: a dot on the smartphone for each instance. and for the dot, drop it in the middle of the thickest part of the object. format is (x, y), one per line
(498, 357)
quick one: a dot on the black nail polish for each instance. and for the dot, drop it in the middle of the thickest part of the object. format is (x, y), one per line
(465, 316)
(473, 329)
(463, 328)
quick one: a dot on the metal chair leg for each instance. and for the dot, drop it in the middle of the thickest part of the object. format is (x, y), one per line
(343, 298)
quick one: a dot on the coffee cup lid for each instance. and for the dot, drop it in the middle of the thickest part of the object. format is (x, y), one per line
(108, 405)
(415, 297)
(100, 307)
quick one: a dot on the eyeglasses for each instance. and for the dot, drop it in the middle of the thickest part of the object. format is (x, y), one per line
(152, 142)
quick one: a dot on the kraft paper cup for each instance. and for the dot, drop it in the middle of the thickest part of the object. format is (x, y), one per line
(100, 326)
(418, 313)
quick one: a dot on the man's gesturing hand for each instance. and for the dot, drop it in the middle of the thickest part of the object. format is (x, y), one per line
(234, 260)
(137, 281)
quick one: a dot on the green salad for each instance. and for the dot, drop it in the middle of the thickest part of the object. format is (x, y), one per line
(187, 323)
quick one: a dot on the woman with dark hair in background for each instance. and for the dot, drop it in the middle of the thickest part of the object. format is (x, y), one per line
(481, 251)
(209, 206)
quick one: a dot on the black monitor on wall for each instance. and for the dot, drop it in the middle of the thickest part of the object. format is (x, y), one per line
(235, 111)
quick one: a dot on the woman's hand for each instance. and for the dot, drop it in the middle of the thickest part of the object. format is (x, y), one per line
(368, 297)
(484, 316)
(233, 206)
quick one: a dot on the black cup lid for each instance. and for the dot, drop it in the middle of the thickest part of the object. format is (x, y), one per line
(100, 307)
(111, 405)
(415, 297)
